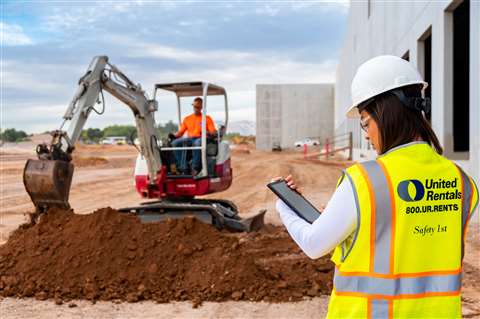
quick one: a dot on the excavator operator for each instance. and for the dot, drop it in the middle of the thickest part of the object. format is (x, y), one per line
(192, 124)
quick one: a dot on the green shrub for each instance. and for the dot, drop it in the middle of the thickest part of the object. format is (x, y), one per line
(12, 135)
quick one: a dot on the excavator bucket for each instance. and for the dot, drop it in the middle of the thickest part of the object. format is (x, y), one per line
(48, 183)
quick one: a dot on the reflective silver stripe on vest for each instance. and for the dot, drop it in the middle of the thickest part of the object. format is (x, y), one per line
(397, 286)
(466, 199)
(383, 216)
(357, 204)
(379, 309)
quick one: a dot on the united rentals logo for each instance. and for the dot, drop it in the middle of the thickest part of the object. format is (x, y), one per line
(404, 194)
(413, 190)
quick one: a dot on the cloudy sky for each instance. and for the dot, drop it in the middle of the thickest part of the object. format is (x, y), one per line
(48, 45)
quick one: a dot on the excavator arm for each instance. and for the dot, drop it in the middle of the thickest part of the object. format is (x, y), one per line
(48, 178)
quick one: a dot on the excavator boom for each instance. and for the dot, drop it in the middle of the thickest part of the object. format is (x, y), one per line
(48, 178)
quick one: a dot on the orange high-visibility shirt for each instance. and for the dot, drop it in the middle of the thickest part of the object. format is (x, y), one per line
(193, 125)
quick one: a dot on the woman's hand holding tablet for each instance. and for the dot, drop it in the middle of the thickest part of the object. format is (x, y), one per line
(290, 196)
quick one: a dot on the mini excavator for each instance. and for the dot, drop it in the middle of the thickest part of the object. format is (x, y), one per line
(48, 178)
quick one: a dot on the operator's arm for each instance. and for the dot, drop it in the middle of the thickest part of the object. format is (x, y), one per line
(182, 128)
(210, 125)
(335, 224)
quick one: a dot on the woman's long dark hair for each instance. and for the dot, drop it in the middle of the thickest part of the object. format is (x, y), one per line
(399, 124)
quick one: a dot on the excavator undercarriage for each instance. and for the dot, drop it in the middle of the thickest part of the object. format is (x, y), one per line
(48, 184)
(222, 214)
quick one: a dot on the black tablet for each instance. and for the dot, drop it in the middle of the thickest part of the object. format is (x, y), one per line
(302, 207)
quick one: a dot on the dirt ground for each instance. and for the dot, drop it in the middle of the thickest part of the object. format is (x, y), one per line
(104, 177)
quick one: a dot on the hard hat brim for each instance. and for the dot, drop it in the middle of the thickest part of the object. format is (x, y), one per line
(352, 111)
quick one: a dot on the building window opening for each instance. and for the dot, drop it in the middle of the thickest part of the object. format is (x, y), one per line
(406, 56)
(428, 69)
(461, 75)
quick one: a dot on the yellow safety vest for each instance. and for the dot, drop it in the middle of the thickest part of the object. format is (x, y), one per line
(404, 260)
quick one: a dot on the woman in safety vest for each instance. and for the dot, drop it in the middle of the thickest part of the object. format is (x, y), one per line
(397, 223)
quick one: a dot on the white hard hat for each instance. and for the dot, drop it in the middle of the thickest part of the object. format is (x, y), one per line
(381, 74)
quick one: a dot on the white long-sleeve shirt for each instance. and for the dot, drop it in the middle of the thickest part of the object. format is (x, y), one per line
(335, 224)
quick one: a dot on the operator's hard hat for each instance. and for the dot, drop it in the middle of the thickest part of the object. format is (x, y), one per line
(381, 74)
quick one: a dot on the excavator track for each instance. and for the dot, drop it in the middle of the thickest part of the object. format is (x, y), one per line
(222, 214)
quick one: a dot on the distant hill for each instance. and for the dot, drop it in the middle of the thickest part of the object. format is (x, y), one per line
(244, 128)
(41, 138)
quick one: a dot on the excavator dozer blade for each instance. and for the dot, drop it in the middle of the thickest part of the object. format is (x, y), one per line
(48, 183)
(249, 224)
(220, 213)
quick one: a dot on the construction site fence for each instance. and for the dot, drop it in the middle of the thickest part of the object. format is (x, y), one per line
(332, 145)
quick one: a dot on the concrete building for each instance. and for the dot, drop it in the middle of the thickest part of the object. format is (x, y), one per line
(442, 39)
(287, 113)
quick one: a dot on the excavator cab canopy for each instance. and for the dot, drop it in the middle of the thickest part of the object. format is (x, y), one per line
(185, 89)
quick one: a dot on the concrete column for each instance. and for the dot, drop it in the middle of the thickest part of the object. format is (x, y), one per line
(475, 89)
(447, 84)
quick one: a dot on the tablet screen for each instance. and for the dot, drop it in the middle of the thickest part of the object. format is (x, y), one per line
(295, 201)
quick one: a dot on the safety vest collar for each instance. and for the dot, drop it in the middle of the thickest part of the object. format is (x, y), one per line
(403, 146)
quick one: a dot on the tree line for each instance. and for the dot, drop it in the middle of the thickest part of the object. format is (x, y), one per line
(95, 135)
(12, 135)
(129, 131)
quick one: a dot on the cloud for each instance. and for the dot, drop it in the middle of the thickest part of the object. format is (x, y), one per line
(234, 44)
(234, 67)
(267, 10)
(37, 78)
(139, 49)
(237, 74)
(13, 35)
(57, 17)
(338, 5)
(244, 75)
(78, 18)
(274, 8)
(46, 117)
(245, 114)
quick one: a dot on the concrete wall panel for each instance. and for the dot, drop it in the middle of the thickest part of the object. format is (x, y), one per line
(289, 112)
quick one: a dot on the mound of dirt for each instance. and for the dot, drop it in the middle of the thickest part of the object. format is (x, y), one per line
(104, 148)
(79, 161)
(108, 255)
